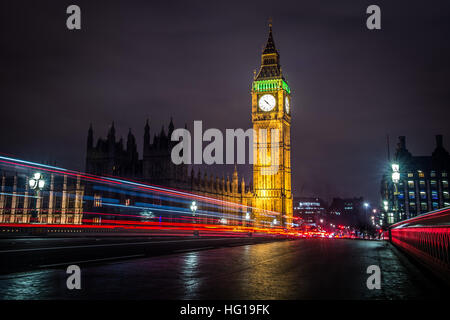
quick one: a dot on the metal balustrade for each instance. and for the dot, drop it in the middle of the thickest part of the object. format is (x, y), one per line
(426, 238)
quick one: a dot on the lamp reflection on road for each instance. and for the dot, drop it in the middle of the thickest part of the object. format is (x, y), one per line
(189, 273)
(27, 286)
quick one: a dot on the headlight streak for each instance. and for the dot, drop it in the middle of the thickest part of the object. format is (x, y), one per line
(18, 195)
(140, 194)
(133, 188)
(57, 170)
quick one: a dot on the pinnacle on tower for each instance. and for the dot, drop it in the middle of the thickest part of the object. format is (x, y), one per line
(146, 137)
(270, 60)
(130, 137)
(171, 128)
(270, 45)
(90, 138)
(112, 133)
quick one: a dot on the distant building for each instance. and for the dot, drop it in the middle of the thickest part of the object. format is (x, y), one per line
(349, 211)
(310, 210)
(418, 185)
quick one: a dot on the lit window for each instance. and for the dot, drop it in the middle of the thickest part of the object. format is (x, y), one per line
(410, 184)
(421, 175)
(435, 205)
(444, 174)
(97, 200)
(446, 195)
(390, 218)
(423, 206)
(410, 174)
(423, 195)
(445, 184)
(434, 195)
(127, 202)
(433, 183)
(422, 183)
(433, 174)
(412, 195)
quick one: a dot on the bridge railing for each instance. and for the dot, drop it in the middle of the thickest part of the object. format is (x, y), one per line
(426, 238)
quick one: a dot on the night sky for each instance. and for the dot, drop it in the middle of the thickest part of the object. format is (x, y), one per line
(194, 60)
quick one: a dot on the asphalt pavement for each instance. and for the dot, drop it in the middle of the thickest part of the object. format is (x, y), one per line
(300, 269)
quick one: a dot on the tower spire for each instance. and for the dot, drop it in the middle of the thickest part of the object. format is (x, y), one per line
(270, 44)
(112, 133)
(171, 128)
(270, 60)
(90, 139)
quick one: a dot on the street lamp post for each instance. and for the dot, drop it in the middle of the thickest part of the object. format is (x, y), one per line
(36, 183)
(194, 209)
(385, 214)
(247, 219)
(366, 206)
(395, 181)
(248, 223)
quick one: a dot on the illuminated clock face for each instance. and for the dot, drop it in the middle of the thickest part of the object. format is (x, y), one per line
(267, 102)
(286, 104)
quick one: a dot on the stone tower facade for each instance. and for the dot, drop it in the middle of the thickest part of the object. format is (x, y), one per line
(271, 117)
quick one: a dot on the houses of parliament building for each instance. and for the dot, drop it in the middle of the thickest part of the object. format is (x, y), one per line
(65, 201)
(110, 158)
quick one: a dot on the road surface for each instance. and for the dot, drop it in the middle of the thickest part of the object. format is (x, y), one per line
(300, 269)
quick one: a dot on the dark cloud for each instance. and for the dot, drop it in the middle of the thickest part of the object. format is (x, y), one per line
(195, 59)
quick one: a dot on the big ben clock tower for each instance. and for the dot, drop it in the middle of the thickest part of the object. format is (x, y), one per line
(271, 118)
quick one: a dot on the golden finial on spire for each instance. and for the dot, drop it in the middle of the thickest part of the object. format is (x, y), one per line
(270, 23)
